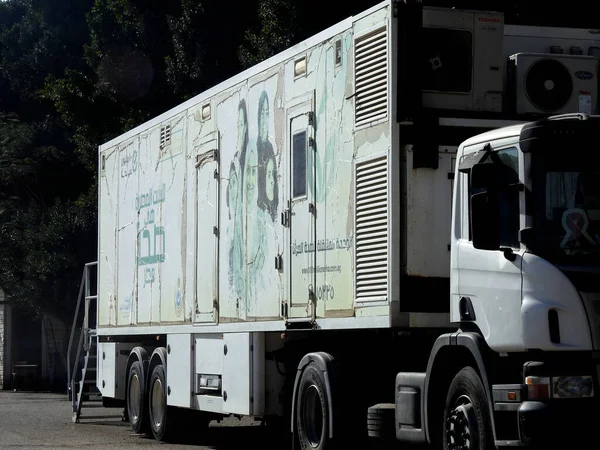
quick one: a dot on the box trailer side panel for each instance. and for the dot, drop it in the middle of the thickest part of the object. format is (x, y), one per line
(267, 200)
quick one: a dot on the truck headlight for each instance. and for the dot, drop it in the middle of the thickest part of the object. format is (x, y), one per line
(572, 387)
(559, 387)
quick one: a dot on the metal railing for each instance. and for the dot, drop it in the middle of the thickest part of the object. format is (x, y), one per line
(85, 295)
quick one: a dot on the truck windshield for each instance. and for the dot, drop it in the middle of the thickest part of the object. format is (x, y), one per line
(572, 210)
(566, 187)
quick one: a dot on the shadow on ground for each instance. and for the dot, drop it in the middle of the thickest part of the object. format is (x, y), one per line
(232, 435)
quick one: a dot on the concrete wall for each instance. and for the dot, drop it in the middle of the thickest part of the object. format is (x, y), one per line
(5, 341)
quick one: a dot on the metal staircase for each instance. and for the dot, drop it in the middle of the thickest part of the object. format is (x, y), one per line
(82, 388)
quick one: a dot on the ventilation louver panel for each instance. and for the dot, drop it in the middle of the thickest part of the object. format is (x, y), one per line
(165, 136)
(371, 221)
(371, 77)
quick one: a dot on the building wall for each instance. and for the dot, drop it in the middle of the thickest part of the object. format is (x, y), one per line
(24, 340)
(55, 341)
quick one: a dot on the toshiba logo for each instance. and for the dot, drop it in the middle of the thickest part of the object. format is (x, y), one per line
(489, 20)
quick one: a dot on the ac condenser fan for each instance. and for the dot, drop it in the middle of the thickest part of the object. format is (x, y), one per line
(548, 85)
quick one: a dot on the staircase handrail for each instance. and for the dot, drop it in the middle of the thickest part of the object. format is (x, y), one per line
(83, 293)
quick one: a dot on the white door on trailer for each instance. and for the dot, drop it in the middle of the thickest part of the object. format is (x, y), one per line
(301, 212)
(207, 236)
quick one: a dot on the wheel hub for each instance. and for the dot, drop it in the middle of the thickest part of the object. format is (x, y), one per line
(134, 395)
(461, 425)
(313, 416)
(158, 403)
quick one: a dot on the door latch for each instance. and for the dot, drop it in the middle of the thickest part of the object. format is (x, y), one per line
(285, 218)
(279, 262)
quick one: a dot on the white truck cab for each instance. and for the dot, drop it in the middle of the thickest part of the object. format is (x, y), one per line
(501, 278)
(525, 270)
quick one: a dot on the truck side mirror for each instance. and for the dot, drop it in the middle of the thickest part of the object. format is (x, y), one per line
(485, 221)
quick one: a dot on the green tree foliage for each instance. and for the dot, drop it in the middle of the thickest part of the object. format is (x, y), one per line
(44, 230)
(47, 223)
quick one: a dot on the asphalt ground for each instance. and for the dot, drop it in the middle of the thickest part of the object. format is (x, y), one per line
(39, 420)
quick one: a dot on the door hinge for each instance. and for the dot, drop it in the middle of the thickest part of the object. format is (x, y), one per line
(284, 309)
(311, 143)
(312, 208)
(216, 174)
(216, 231)
(311, 118)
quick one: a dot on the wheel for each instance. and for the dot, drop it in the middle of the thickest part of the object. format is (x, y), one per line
(313, 410)
(467, 423)
(137, 412)
(157, 404)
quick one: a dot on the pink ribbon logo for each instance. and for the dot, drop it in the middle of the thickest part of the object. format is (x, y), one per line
(575, 222)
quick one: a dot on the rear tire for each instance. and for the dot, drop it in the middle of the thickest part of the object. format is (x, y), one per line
(137, 411)
(160, 419)
(467, 422)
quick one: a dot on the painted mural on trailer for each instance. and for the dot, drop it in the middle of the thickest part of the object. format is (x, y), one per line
(252, 198)
(251, 122)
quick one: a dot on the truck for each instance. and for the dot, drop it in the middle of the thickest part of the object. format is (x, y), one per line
(386, 230)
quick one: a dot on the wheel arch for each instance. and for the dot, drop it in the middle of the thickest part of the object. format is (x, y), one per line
(326, 363)
(158, 357)
(136, 354)
(450, 353)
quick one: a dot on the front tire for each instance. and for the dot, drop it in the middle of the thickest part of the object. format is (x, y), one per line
(313, 410)
(467, 423)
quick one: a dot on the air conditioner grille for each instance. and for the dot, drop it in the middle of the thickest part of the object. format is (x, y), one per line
(549, 85)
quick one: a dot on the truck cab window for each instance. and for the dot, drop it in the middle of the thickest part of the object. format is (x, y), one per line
(508, 199)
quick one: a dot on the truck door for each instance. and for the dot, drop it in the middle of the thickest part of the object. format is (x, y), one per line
(300, 214)
(207, 233)
(488, 280)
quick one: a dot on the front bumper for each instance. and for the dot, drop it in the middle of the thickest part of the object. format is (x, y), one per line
(557, 423)
(552, 408)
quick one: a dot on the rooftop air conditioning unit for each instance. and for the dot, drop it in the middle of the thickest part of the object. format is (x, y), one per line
(553, 83)
(462, 64)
